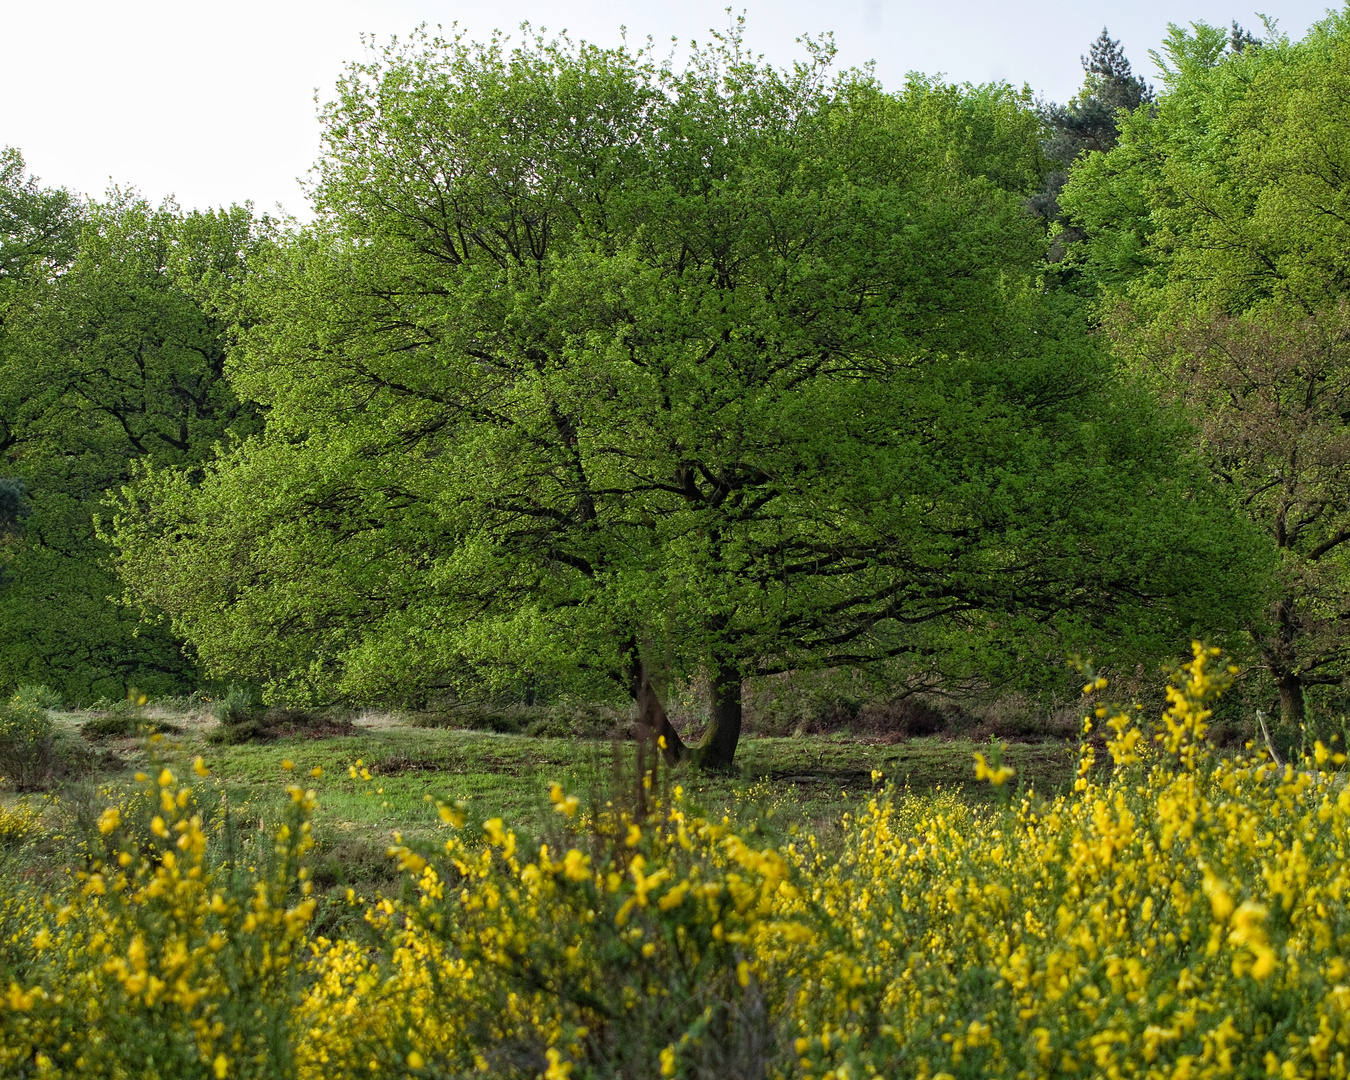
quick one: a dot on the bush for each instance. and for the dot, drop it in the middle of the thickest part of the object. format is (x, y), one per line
(238, 734)
(43, 697)
(238, 718)
(27, 743)
(571, 721)
(17, 825)
(277, 722)
(235, 707)
(1180, 915)
(1186, 911)
(166, 959)
(121, 724)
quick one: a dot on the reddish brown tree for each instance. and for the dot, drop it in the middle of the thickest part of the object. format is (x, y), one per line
(1269, 395)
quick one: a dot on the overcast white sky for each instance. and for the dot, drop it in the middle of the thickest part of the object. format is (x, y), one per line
(213, 102)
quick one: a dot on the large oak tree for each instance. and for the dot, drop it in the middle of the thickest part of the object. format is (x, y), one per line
(587, 364)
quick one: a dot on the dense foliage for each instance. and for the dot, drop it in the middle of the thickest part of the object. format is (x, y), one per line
(1216, 230)
(589, 366)
(113, 330)
(1182, 915)
(595, 374)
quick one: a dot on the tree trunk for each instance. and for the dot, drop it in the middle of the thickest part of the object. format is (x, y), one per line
(655, 725)
(1281, 660)
(717, 751)
(1291, 700)
(652, 723)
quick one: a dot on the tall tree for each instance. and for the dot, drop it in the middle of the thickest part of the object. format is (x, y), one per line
(1218, 232)
(1087, 124)
(588, 364)
(115, 356)
(38, 226)
(1270, 397)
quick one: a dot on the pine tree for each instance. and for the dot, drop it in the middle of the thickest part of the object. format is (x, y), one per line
(1239, 39)
(1087, 124)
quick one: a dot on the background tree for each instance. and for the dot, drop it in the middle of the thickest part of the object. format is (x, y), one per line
(1087, 124)
(1217, 229)
(38, 226)
(38, 238)
(1090, 123)
(112, 352)
(1270, 395)
(588, 366)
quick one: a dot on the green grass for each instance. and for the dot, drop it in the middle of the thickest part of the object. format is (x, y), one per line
(508, 776)
(809, 780)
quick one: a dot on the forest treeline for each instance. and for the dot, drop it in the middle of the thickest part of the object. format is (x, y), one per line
(592, 372)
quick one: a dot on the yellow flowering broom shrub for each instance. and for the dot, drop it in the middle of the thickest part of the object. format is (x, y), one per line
(1181, 915)
(155, 961)
(1185, 918)
(621, 955)
(17, 824)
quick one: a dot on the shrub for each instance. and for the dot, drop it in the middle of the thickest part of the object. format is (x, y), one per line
(238, 718)
(43, 697)
(1180, 915)
(263, 725)
(121, 724)
(567, 721)
(17, 824)
(246, 731)
(163, 960)
(235, 707)
(1183, 915)
(27, 743)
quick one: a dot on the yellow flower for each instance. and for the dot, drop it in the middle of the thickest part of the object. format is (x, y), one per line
(109, 820)
(562, 802)
(287, 764)
(199, 767)
(1220, 901)
(221, 1066)
(668, 1061)
(316, 772)
(451, 815)
(996, 776)
(557, 1068)
(576, 866)
(415, 1060)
